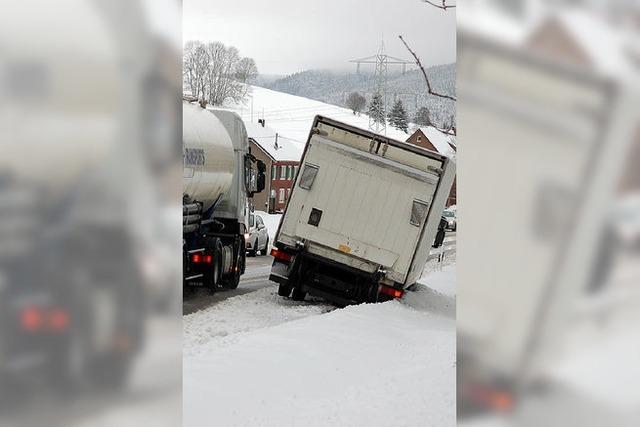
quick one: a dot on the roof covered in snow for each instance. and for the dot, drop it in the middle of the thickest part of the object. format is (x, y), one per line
(611, 50)
(278, 147)
(443, 142)
(608, 48)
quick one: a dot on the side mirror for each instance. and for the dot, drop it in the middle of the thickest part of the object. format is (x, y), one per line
(261, 181)
(261, 226)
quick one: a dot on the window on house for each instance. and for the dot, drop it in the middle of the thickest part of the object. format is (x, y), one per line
(283, 172)
(419, 138)
(273, 172)
(295, 171)
(290, 169)
(288, 193)
(281, 200)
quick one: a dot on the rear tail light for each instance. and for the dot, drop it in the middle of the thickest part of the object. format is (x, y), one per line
(490, 398)
(280, 255)
(35, 318)
(208, 259)
(196, 258)
(31, 319)
(392, 292)
(58, 320)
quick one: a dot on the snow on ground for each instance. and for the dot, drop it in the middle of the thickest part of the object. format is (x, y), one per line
(292, 116)
(259, 359)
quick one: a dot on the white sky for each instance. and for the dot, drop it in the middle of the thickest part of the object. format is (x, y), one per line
(285, 36)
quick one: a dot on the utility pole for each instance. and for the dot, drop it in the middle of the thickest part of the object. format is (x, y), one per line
(380, 89)
(382, 62)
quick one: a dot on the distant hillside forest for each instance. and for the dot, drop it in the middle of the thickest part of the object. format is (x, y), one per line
(334, 88)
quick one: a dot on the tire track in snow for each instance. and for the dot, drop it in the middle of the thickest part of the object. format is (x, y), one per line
(221, 324)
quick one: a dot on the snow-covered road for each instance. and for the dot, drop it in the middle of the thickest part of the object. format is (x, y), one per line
(260, 360)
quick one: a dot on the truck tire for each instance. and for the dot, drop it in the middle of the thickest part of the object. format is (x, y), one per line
(298, 294)
(212, 280)
(264, 251)
(233, 280)
(284, 290)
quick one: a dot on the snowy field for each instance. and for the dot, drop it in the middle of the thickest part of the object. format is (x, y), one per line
(292, 116)
(261, 360)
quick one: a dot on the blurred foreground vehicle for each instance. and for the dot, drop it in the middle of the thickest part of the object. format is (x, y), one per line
(220, 174)
(549, 132)
(362, 216)
(80, 158)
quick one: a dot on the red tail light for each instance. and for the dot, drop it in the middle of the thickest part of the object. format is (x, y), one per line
(208, 259)
(196, 258)
(392, 292)
(280, 255)
(491, 398)
(31, 319)
(58, 320)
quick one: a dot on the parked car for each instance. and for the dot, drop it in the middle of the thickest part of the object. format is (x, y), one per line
(450, 216)
(257, 238)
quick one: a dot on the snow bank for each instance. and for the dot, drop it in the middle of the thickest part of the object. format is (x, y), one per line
(435, 293)
(253, 361)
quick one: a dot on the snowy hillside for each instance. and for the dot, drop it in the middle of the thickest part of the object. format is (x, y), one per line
(333, 88)
(292, 116)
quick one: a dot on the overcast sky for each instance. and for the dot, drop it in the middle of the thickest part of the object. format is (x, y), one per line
(286, 36)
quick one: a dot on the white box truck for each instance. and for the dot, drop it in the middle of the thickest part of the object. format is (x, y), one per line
(362, 216)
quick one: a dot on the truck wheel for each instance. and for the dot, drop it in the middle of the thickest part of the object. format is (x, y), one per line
(212, 279)
(233, 280)
(284, 290)
(266, 248)
(298, 294)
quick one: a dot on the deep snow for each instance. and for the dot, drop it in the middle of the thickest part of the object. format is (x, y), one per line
(259, 359)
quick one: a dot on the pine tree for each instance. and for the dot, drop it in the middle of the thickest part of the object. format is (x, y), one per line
(376, 109)
(398, 117)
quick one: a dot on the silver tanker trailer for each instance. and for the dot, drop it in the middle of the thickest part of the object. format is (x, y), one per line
(219, 176)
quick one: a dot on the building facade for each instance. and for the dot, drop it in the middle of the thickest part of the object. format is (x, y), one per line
(282, 159)
(434, 140)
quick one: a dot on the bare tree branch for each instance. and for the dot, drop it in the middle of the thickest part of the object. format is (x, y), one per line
(444, 6)
(424, 73)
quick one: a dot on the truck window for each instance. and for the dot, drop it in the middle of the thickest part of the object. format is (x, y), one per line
(419, 212)
(308, 176)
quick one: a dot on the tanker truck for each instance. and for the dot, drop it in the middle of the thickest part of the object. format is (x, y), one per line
(220, 175)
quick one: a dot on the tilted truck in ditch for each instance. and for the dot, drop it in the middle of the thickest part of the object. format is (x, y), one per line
(219, 176)
(363, 214)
